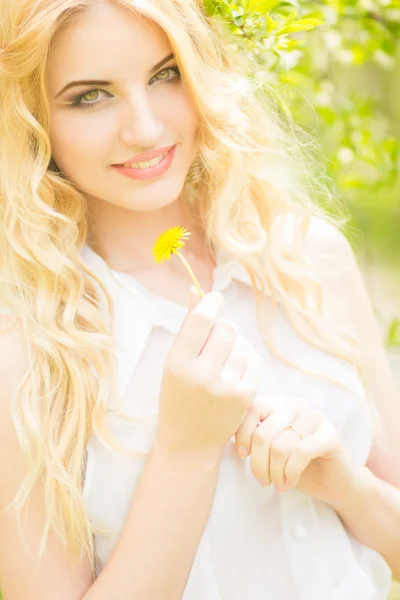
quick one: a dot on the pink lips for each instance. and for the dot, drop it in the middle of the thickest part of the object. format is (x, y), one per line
(146, 156)
(149, 172)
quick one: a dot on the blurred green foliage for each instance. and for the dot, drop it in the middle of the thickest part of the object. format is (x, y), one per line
(334, 69)
(394, 333)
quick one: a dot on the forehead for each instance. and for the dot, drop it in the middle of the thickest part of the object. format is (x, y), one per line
(106, 38)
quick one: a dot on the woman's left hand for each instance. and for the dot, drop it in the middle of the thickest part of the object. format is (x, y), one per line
(308, 456)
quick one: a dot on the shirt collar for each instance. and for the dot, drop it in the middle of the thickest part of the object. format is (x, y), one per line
(131, 327)
(227, 268)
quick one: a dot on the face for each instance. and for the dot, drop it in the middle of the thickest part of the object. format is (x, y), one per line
(141, 108)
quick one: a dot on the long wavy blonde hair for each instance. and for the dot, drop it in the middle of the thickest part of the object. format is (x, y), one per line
(252, 169)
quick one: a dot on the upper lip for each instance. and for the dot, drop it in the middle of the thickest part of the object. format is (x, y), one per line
(146, 155)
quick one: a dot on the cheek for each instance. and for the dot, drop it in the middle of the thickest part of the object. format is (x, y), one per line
(74, 139)
(189, 115)
(180, 112)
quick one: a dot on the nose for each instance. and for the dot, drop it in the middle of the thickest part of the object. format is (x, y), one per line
(141, 125)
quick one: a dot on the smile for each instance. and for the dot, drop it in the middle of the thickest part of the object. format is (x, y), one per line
(147, 169)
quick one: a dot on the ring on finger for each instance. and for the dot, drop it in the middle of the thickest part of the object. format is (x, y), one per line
(293, 428)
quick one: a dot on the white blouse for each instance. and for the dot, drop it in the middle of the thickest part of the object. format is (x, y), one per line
(257, 544)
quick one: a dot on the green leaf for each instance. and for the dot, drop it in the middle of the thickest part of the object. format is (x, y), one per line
(303, 25)
(300, 26)
(212, 7)
(262, 6)
(209, 7)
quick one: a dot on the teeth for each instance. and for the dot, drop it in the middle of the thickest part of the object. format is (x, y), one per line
(148, 163)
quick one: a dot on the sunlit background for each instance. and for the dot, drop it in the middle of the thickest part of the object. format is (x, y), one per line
(336, 68)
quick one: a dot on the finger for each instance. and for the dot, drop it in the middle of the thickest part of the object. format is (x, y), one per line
(194, 298)
(262, 439)
(250, 423)
(323, 443)
(217, 349)
(249, 383)
(258, 412)
(235, 364)
(197, 325)
(252, 372)
(245, 432)
(281, 449)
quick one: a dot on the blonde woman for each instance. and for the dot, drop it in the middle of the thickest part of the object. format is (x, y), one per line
(125, 399)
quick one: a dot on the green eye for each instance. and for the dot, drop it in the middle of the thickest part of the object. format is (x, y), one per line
(163, 71)
(89, 94)
(90, 100)
(174, 70)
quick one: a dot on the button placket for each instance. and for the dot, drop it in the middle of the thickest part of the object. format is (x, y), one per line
(301, 535)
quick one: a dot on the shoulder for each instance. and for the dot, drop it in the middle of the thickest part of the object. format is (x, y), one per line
(331, 255)
(344, 289)
(326, 243)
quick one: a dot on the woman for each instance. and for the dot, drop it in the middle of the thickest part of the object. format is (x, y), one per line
(120, 450)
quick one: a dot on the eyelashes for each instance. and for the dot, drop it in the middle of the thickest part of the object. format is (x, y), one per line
(78, 100)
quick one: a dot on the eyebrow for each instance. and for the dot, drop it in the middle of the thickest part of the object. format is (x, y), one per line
(101, 82)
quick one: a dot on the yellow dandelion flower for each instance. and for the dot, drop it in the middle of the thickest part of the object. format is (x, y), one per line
(169, 243)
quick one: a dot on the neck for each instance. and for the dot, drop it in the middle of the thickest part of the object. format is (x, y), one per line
(125, 238)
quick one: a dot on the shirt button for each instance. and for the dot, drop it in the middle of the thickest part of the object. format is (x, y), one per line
(300, 532)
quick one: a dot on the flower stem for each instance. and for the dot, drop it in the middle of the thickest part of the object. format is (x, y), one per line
(192, 275)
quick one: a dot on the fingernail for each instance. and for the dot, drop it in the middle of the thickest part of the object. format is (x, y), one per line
(242, 452)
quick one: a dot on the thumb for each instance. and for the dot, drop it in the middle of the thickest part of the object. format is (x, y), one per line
(194, 297)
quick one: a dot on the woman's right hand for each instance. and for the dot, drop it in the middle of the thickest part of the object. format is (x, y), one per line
(210, 379)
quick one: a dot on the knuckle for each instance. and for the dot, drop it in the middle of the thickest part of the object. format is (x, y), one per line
(244, 403)
(221, 388)
(203, 380)
(254, 408)
(201, 320)
(246, 390)
(197, 375)
(228, 328)
(173, 368)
